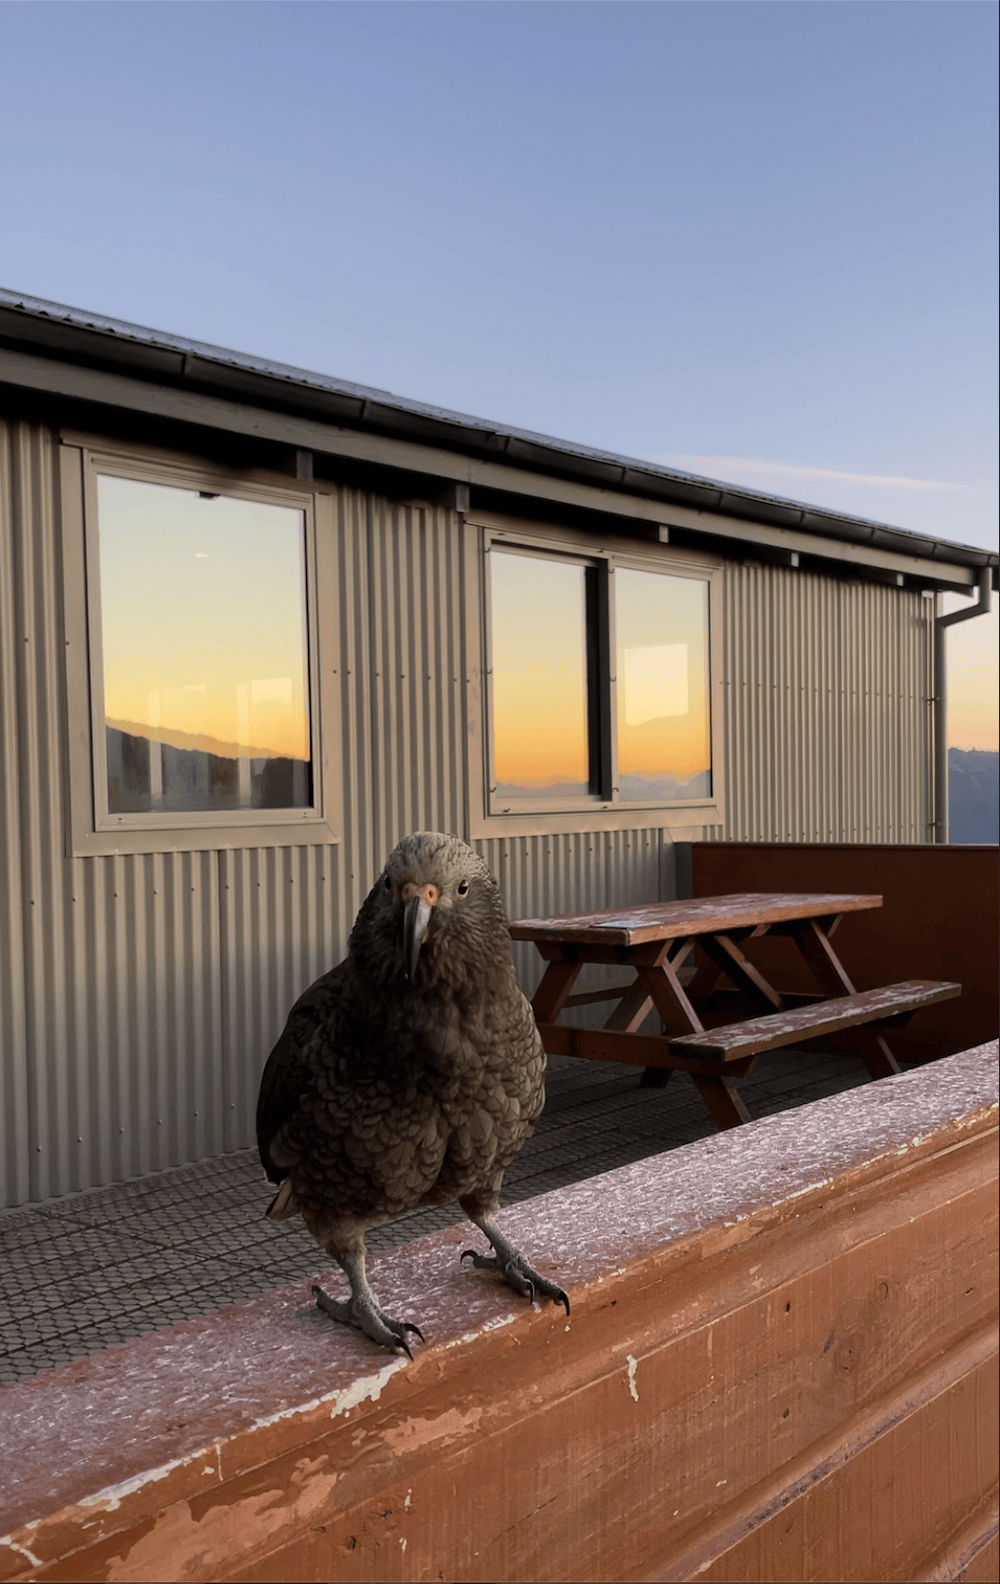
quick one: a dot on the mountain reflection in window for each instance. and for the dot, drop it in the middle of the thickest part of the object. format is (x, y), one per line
(664, 737)
(203, 622)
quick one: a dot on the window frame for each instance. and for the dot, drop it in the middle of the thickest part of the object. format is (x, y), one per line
(93, 828)
(491, 815)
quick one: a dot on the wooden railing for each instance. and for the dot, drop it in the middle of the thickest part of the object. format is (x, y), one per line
(780, 1364)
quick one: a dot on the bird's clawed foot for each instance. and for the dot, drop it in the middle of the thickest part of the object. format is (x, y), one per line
(516, 1271)
(362, 1311)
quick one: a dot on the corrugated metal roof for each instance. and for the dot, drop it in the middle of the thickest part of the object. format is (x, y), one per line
(386, 411)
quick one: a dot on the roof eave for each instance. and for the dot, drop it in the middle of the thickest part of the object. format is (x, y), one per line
(54, 329)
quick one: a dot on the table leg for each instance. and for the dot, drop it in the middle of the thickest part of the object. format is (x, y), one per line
(814, 943)
(557, 983)
(667, 997)
(871, 1047)
(631, 1012)
(706, 980)
(726, 955)
(655, 1077)
(721, 1100)
(667, 993)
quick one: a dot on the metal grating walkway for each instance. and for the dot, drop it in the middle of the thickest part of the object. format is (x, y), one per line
(82, 1272)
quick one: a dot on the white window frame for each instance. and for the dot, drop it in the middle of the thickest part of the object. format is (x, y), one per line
(93, 828)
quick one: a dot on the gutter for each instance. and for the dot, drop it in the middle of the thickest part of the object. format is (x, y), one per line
(52, 346)
(981, 607)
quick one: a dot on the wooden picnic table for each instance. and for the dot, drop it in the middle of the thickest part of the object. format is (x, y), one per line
(657, 941)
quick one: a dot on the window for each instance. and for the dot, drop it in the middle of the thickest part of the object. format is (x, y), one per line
(599, 683)
(664, 738)
(541, 742)
(204, 654)
(203, 651)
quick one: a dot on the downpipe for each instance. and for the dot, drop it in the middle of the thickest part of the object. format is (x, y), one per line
(982, 605)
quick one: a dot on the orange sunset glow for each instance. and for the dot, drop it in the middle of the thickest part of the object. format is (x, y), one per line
(204, 628)
(539, 679)
(539, 673)
(662, 647)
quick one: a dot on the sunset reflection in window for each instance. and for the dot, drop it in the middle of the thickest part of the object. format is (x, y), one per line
(664, 740)
(203, 623)
(539, 664)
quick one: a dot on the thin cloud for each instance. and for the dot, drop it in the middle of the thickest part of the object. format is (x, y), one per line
(727, 467)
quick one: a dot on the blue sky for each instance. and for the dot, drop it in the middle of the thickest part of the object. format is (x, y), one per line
(755, 240)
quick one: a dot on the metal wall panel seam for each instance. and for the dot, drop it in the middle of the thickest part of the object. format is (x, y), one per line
(410, 662)
(441, 546)
(355, 769)
(163, 1123)
(39, 718)
(138, 1036)
(384, 733)
(95, 957)
(368, 822)
(126, 1153)
(14, 1099)
(233, 1020)
(453, 626)
(402, 793)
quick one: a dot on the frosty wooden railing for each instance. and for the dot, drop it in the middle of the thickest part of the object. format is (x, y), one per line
(771, 1328)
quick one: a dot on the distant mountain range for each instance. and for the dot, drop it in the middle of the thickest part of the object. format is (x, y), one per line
(635, 788)
(149, 775)
(973, 795)
(193, 742)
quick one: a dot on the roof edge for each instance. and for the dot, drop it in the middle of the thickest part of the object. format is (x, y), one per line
(119, 341)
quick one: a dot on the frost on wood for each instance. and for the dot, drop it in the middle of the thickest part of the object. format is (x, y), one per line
(95, 1429)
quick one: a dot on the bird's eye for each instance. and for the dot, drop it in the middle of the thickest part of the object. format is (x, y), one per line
(388, 883)
(463, 886)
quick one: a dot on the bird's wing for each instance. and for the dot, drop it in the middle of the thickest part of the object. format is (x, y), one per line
(348, 1100)
(516, 1099)
(287, 1074)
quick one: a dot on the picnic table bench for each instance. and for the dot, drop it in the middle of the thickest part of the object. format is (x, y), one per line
(657, 941)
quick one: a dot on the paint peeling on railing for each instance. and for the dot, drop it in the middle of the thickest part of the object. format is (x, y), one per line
(111, 1497)
(21, 1550)
(186, 1409)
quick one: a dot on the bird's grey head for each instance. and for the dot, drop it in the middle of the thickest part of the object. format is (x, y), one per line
(439, 906)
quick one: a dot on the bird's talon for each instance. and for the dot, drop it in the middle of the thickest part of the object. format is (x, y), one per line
(517, 1273)
(368, 1317)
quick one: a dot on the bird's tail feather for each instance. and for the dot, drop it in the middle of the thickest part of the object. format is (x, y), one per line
(282, 1206)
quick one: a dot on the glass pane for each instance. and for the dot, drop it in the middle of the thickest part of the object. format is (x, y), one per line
(205, 662)
(539, 677)
(664, 743)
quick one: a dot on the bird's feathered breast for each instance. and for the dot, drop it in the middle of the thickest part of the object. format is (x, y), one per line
(380, 1086)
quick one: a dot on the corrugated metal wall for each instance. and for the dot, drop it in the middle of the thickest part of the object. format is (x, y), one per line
(111, 997)
(828, 709)
(13, 1009)
(140, 994)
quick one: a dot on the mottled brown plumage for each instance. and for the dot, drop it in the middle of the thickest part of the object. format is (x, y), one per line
(409, 1075)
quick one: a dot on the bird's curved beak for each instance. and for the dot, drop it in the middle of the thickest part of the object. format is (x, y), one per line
(417, 909)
